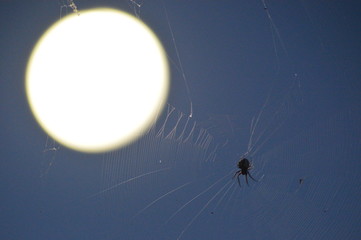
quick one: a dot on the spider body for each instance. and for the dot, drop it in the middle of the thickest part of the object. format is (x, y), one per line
(244, 165)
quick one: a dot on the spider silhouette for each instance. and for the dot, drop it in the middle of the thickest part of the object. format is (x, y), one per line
(244, 166)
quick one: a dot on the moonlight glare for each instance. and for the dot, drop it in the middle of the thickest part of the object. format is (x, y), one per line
(97, 81)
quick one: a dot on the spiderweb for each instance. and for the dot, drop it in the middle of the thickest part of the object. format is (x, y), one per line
(176, 181)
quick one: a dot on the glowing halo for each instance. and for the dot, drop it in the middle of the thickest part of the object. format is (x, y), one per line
(97, 81)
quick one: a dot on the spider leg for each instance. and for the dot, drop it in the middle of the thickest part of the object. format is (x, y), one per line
(247, 179)
(251, 177)
(239, 183)
(236, 173)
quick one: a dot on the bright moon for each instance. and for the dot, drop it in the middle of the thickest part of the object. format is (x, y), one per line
(97, 81)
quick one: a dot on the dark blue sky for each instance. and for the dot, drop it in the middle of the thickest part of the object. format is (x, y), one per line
(293, 70)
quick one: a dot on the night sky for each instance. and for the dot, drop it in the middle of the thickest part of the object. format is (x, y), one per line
(277, 82)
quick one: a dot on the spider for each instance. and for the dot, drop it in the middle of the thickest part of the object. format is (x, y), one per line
(244, 165)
